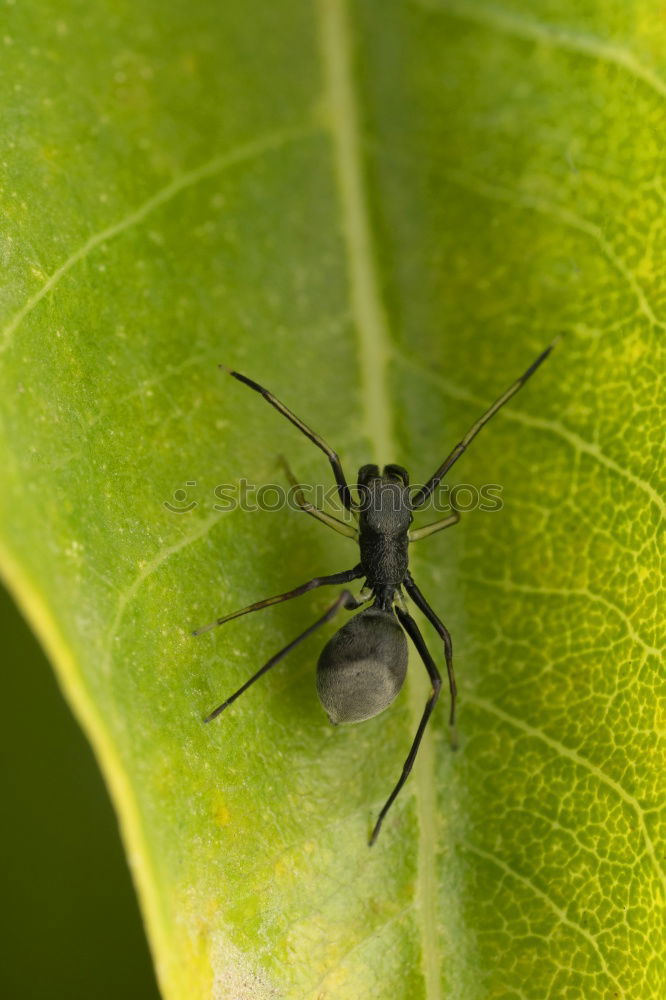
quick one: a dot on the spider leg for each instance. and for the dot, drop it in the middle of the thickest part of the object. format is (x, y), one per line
(442, 631)
(319, 581)
(430, 529)
(343, 488)
(346, 599)
(422, 495)
(412, 630)
(321, 515)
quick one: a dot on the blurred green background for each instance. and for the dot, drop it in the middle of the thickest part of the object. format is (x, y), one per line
(62, 857)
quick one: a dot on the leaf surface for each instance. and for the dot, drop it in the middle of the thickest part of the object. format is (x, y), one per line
(384, 212)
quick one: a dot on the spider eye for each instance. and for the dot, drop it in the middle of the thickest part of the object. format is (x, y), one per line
(366, 473)
(397, 472)
(362, 667)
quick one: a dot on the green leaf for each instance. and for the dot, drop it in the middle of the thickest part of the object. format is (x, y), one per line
(383, 211)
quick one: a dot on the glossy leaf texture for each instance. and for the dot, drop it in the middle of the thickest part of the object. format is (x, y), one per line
(384, 212)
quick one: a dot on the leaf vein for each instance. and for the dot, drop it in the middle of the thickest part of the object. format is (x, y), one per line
(545, 898)
(576, 441)
(566, 218)
(180, 183)
(375, 352)
(524, 588)
(357, 946)
(514, 25)
(581, 761)
(144, 574)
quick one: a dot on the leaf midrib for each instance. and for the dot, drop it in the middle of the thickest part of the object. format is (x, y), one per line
(374, 340)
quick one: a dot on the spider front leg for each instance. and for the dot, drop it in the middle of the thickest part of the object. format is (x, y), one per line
(423, 494)
(332, 456)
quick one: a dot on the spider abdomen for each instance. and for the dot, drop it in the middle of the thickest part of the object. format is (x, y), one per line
(362, 667)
